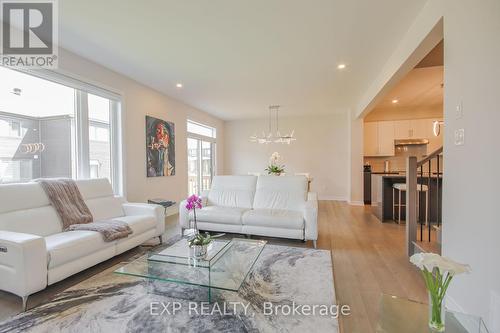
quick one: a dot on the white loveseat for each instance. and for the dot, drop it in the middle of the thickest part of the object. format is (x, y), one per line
(35, 252)
(264, 206)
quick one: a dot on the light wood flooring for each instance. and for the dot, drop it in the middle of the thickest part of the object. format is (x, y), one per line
(368, 260)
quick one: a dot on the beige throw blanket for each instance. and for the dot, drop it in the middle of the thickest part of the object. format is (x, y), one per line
(110, 230)
(75, 215)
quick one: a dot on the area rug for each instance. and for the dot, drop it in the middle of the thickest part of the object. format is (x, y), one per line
(288, 290)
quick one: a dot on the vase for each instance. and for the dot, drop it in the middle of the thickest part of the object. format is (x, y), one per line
(200, 251)
(437, 313)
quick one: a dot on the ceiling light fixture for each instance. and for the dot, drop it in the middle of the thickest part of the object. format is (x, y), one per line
(16, 91)
(395, 101)
(179, 85)
(436, 127)
(341, 66)
(275, 137)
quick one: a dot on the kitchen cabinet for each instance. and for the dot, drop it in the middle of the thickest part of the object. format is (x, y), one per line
(401, 129)
(371, 139)
(418, 128)
(386, 138)
(412, 129)
(379, 138)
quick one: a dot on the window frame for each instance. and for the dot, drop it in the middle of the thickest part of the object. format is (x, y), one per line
(200, 138)
(80, 139)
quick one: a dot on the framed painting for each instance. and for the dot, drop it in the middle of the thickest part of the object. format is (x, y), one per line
(160, 147)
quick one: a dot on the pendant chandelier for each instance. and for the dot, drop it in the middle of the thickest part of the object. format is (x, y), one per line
(276, 136)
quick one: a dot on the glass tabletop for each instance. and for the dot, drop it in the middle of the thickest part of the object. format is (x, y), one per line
(226, 267)
(403, 315)
(181, 253)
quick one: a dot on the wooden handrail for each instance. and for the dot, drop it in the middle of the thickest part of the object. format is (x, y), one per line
(430, 156)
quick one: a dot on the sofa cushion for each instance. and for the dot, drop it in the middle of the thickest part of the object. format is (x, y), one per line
(275, 218)
(105, 208)
(286, 192)
(232, 191)
(217, 214)
(42, 221)
(138, 223)
(69, 246)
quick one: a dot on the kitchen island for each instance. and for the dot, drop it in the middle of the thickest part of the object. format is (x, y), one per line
(382, 196)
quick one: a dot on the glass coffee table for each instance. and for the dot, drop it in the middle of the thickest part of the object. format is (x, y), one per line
(398, 314)
(225, 267)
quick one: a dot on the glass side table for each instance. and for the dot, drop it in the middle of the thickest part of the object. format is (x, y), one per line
(398, 315)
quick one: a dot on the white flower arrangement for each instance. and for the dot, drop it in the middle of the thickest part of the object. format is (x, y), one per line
(275, 168)
(438, 272)
(430, 261)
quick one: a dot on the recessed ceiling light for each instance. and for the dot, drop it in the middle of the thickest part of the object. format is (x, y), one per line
(341, 66)
(395, 101)
(179, 85)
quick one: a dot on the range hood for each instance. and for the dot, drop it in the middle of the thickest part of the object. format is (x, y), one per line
(411, 142)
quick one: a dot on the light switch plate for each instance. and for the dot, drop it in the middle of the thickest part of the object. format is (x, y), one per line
(459, 137)
(459, 110)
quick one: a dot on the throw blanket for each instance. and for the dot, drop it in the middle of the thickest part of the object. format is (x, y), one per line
(75, 215)
(110, 230)
(68, 202)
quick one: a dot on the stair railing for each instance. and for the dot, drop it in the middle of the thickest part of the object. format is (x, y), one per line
(423, 198)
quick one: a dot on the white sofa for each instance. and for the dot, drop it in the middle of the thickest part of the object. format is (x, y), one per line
(264, 206)
(35, 252)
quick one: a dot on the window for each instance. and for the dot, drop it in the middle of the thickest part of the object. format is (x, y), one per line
(201, 156)
(53, 128)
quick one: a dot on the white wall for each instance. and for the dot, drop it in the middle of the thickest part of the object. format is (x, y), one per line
(321, 149)
(139, 101)
(471, 227)
(356, 195)
(471, 224)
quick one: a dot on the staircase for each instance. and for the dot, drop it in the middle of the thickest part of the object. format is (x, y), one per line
(424, 183)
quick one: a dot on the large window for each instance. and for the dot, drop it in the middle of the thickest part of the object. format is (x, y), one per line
(49, 129)
(201, 156)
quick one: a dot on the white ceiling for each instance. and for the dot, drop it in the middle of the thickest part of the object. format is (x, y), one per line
(420, 88)
(236, 57)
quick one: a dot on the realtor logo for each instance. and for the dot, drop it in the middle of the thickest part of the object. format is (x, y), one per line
(29, 33)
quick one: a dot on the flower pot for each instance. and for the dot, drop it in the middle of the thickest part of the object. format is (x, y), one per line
(437, 314)
(199, 251)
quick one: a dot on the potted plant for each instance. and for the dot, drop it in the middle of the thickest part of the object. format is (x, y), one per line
(274, 167)
(200, 244)
(437, 272)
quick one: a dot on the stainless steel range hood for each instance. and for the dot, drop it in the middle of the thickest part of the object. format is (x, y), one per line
(411, 142)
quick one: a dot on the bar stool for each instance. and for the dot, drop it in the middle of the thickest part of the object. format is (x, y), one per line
(402, 188)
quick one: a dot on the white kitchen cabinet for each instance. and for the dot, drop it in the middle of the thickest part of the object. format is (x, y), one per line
(401, 129)
(412, 129)
(418, 128)
(386, 138)
(371, 139)
(379, 138)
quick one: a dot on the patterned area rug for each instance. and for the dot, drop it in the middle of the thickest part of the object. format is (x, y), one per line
(282, 278)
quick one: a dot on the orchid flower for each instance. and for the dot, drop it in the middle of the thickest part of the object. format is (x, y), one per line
(193, 202)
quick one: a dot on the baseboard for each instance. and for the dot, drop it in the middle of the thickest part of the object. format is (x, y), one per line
(356, 203)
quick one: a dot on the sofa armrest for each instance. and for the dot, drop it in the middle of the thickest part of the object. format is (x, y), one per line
(156, 211)
(311, 217)
(23, 263)
(183, 215)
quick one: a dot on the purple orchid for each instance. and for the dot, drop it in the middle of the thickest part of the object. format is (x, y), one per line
(192, 203)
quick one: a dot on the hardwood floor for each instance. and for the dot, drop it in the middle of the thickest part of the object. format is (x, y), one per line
(368, 259)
